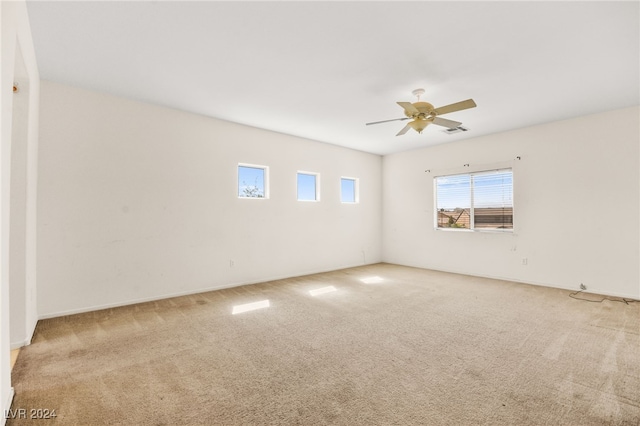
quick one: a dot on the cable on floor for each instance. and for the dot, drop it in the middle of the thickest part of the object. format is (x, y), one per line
(625, 300)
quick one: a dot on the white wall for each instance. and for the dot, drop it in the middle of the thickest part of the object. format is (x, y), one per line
(17, 64)
(138, 202)
(18, 207)
(576, 206)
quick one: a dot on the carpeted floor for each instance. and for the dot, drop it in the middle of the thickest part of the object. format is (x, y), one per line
(411, 347)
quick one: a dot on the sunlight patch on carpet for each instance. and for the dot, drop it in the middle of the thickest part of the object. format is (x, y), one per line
(372, 280)
(322, 290)
(238, 309)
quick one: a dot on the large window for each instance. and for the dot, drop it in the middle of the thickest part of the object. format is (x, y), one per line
(475, 201)
(252, 181)
(348, 190)
(308, 186)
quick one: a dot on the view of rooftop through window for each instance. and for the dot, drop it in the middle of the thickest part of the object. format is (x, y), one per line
(482, 200)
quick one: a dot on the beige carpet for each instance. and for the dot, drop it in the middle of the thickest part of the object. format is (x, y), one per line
(417, 348)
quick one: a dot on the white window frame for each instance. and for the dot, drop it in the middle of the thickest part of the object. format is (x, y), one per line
(472, 227)
(266, 181)
(356, 190)
(317, 178)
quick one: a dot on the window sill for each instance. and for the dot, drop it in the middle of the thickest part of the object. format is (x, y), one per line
(483, 231)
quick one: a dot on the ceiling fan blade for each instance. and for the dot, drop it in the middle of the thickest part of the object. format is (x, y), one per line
(408, 106)
(458, 106)
(386, 121)
(404, 130)
(449, 124)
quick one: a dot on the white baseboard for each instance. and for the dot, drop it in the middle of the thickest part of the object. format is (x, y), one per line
(3, 418)
(27, 340)
(17, 345)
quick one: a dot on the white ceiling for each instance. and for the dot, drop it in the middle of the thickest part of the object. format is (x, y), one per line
(321, 70)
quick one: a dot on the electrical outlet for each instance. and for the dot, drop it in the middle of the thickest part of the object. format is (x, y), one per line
(583, 287)
(231, 263)
(525, 261)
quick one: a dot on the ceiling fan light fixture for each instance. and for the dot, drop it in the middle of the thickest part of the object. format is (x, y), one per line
(419, 124)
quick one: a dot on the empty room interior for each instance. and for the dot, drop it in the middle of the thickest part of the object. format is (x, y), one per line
(313, 213)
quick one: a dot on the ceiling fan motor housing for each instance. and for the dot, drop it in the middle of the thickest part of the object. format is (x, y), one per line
(425, 110)
(424, 117)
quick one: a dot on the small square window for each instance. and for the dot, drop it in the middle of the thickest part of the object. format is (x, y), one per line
(308, 186)
(252, 181)
(348, 190)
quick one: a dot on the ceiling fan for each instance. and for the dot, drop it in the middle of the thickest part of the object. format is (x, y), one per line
(423, 114)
